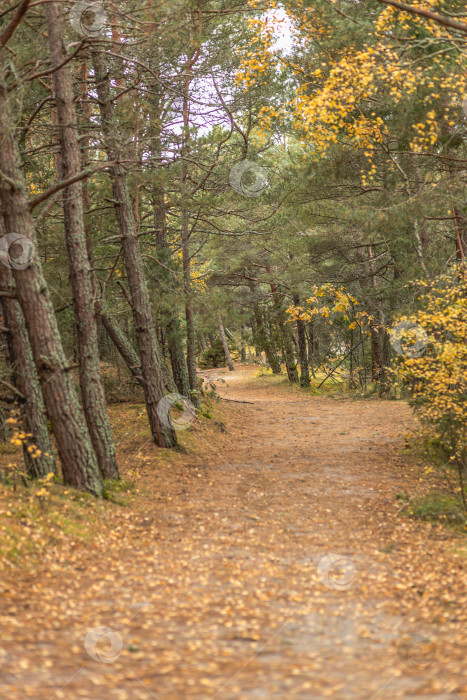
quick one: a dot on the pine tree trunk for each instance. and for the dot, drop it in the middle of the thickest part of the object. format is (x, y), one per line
(174, 334)
(460, 222)
(304, 372)
(189, 311)
(286, 335)
(79, 464)
(264, 342)
(177, 357)
(123, 346)
(254, 335)
(225, 346)
(4, 428)
(242, 350)
(92, 389)
(376, 362)
(149, 350)
(191, 347)
(289, 355)
(261, 336)
(25, 379)
(202, 341)
(377, 336)
(312, 346)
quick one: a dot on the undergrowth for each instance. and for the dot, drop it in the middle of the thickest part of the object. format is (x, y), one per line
(444, 503)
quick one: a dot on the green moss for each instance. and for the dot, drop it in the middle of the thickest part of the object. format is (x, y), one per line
(114, 491)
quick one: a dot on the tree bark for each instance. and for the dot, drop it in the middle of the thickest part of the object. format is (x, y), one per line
(304, 371)
(25, 380)
(177, 357)
(377, 335)
(92, 389)
(286, 335)
(225, 346)
(123, 346)
(242, 347)
(189, 311)
(312, 346)
(202, 341)
(173, 331)
(261, 336)
(149, 351)
(264, 342)
(79, 464)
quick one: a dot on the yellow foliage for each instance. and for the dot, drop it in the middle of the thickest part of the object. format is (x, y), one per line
(439, 376)
(340, 302)
(332, 104)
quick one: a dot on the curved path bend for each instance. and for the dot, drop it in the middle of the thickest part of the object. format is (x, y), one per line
(269, 561)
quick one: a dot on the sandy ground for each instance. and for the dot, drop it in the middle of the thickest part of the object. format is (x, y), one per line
(270, 561)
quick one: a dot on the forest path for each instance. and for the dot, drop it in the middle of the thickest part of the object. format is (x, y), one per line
(271, 564)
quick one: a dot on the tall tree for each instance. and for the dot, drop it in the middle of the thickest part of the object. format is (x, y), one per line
(152, 362)
(79, 464)
(37, 448)
(92, 389)
(225, 345)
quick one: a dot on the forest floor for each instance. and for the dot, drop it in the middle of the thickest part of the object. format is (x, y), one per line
(268, 561)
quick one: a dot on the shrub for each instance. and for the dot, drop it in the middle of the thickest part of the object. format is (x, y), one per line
(437, 372)
(212, 357)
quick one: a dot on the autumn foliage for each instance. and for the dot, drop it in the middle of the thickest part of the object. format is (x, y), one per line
(438, 377)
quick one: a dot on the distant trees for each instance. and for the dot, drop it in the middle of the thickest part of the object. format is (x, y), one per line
(379, 197)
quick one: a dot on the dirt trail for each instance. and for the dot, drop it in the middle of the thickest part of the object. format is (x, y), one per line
(273, 565)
